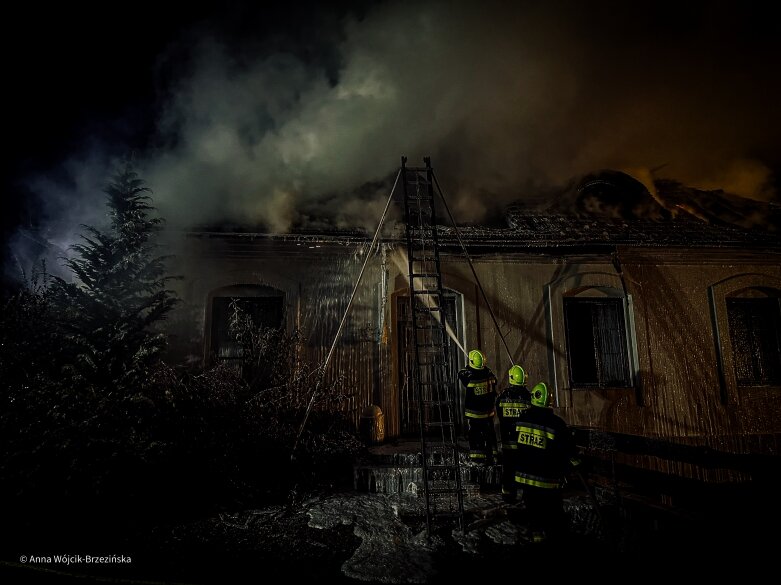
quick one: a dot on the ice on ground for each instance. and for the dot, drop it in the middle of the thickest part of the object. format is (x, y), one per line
(503, 533)
(390, 551)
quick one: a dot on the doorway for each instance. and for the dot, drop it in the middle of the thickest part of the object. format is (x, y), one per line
(408, 407)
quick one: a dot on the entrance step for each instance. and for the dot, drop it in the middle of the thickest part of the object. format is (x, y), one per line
(397, 468)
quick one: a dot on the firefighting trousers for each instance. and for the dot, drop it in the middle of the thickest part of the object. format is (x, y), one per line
(482, 440)
(545, 510)
(509, 465)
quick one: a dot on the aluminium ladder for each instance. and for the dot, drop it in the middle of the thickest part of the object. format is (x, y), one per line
(432, 375)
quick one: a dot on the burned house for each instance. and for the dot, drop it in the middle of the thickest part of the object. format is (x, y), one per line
(662, 325)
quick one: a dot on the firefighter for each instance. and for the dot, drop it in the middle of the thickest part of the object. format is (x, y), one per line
(480, 384)
(544, 450)
(510, 404)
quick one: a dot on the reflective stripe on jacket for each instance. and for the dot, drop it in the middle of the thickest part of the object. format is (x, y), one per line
(510, 405)
(537, 481)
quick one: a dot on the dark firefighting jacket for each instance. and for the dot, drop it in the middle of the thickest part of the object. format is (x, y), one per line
(480, 392)
(511, 403)
(544, 449)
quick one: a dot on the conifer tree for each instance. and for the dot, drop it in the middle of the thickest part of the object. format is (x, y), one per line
(120, 289)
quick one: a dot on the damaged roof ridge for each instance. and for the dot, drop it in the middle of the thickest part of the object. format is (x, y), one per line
(540, 230)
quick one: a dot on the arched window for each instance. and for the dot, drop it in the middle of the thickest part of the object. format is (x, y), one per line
(592, 339)
(597, 348)
(746, 315)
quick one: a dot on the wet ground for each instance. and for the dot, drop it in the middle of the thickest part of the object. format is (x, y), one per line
(346, 537)
(356, 537)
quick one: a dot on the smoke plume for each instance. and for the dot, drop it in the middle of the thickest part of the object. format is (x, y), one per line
(508, 99)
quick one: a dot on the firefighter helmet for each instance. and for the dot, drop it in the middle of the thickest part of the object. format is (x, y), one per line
(540, 394)
(476, 359)
(517, 376)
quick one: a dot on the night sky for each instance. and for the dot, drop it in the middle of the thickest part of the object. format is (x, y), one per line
(279, 115)
(85, 76)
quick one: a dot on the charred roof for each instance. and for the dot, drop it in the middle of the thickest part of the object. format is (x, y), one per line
(603, 209)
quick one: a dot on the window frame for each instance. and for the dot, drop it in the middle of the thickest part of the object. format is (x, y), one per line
(590, 283)
(742, 285)
(216, 340)
(237, 291)
(623, 341)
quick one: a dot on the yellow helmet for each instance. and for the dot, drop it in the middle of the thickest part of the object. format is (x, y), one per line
(476, 359)
(540, 394)
(517, 376)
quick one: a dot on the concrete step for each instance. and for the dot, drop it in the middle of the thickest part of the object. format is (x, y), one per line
(397, 468)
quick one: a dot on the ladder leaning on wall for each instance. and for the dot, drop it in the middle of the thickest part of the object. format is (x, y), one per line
(435, 387)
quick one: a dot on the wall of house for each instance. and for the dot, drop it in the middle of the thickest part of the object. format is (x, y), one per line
(316, 283)
(685, 386)
(674, 303)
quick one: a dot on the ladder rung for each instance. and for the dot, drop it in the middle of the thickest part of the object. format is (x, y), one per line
(441, 446)
(424, 275)
(429, 264)
(426, 292)
(443, 490)
(426, 309)
(439, 424)
(446, 514)
(414, 258)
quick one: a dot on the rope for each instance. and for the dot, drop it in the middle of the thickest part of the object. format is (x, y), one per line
(474, 273)
(344, 317)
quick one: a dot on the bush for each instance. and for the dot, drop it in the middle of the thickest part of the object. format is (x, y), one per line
(95, 431)
(179, 445)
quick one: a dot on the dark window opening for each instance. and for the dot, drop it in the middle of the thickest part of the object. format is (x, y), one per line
(596, 342)
(265, 311)
(755, 333)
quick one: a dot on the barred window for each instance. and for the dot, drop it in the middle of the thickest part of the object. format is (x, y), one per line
(754, 327)
(596, 342)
